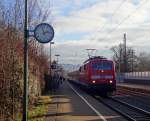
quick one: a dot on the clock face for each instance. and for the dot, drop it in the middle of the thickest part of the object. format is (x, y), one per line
(44, 33)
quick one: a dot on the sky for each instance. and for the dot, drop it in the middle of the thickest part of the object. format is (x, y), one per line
(97, 24)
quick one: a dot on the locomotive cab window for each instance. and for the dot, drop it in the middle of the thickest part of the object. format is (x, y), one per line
(102, 65)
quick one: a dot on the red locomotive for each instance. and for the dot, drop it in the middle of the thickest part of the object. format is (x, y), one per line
(97, 74)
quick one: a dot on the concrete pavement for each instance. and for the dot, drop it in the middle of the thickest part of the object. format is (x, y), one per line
(67, 105)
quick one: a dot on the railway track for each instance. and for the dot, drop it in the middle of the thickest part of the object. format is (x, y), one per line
(137, 99)
(134, 93)
(129, 111)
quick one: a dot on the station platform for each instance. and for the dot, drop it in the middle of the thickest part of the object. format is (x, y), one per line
(69, 103)
(135, 87)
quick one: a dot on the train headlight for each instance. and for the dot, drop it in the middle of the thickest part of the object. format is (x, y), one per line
(110, 81)
(93, 81)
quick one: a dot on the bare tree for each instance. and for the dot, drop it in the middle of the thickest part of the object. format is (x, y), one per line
(11, 56)
(119, 57)
(143, 63)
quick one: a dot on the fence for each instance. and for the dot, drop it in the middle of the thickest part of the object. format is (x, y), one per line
(134, 77)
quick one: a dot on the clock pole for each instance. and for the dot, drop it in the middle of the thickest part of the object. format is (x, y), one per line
(25, 91)
(41, 40)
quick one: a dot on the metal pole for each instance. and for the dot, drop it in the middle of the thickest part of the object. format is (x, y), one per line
(57, 55)
(120, 58)
(120, 62)
(50, 60)
(132, 60)
(25, 93)
(125, 54)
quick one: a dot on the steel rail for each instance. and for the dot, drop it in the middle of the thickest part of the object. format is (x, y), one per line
(124, 114)
(131, 106)
(116, 110)
(127, 110)
(130, 92)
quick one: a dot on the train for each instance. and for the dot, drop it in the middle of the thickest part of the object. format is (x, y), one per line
(96, 74)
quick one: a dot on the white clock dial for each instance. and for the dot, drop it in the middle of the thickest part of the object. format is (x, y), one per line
(44, 33)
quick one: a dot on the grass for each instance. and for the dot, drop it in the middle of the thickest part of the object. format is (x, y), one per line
(38, 111)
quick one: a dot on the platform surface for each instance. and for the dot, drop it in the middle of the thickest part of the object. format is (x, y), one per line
(68, 106)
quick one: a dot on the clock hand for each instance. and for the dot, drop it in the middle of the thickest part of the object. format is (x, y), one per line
(46, 32)
(43, 30)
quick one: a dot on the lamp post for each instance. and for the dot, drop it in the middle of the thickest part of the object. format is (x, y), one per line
(51, 57)
(57, 55)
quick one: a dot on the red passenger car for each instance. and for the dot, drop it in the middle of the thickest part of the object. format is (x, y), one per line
(97, 74)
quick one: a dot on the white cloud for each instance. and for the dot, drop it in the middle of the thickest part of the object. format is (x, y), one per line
(95, 18)
(75, 51)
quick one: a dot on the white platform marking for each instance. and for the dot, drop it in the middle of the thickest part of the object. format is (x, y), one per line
(98, 113)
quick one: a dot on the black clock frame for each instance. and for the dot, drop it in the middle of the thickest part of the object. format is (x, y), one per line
(52, 30)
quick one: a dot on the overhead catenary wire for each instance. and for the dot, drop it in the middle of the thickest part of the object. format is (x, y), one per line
(126, 18)
(113, 13)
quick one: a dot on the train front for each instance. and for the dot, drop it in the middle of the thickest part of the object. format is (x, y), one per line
(102, 76)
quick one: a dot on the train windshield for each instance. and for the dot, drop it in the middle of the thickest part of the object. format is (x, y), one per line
(103, 65)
